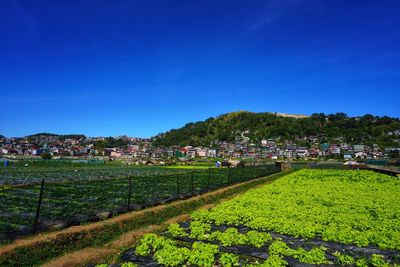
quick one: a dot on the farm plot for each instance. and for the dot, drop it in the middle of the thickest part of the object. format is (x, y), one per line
(76, 202)
(323, 217)
(30, 175)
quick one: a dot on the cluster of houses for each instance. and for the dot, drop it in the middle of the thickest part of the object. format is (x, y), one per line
(79, 146)
(140, 148)
(270, 149)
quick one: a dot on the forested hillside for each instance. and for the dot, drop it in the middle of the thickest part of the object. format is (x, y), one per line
(367, 129)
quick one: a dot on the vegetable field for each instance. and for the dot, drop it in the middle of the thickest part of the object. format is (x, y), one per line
(22, 176)
(323, 217)
(55, 204)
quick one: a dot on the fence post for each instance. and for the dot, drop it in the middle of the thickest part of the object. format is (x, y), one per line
(129, 192)
(35, 223)
(191, 182)
(209, 179)
(177, 185)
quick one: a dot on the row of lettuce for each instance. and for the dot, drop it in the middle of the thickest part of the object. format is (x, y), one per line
(327, 217)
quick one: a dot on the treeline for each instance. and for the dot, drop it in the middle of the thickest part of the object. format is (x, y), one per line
(110, 142)
(367, 129)
(41, 134)
(61, 137)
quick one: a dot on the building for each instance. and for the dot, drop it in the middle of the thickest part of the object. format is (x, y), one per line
(302, 153)
(358, 148)
(202, 153)
(334, 150)
(212, 153)
(191, 153)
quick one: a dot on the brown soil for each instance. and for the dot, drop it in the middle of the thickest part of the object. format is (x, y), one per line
(89, 255)
(81, 257)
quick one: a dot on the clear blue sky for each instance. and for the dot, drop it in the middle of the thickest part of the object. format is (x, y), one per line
(142, 67)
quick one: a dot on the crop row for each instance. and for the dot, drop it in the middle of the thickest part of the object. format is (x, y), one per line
(19, 176)
(336, 217)
(200, 246)
(350, 207)
(72, 203)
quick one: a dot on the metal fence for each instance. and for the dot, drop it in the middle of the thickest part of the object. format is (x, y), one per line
(26, 209)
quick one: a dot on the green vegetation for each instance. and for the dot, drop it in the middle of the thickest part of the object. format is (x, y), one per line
(176, 230)
(34, 254)
(110, 142)
(367, 129)
(46, 156)
(37, 136)
(350, 208)
(76, 202)
(202, 231)
(229, 260)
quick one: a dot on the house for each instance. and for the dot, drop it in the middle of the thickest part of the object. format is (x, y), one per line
(237, 154)
(212, 153)
(139, 154)
(302, 153)
(361, 155)
(202, 152)
(358, 148)
(314, 152)
(347, 156)
(391, 149)
(37, 152)
(334, 150)
(264, 142)
(288, 153)
(178, 153)
(325, 147)
(170, 153)
(191, 153)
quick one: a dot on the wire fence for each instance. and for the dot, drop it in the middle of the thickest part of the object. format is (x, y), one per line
(31, 208)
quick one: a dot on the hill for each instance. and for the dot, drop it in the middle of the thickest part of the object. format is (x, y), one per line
(42, 134)
(241, 125)
(61, 136)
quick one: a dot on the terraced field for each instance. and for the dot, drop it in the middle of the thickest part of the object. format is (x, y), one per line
(323, 217)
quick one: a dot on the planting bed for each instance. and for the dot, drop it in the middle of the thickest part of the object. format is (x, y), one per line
(323, 217)
(33, 175)
(76, 202)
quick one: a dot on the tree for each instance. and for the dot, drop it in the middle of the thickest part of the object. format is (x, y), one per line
(394, 154)
(228, 127)
(46, 156)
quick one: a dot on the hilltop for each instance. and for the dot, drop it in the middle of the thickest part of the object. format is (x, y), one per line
(254, 127)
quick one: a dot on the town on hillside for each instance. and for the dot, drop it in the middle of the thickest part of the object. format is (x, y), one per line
(139, 150)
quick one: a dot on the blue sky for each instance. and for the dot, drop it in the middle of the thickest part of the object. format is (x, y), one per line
(144, 67)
